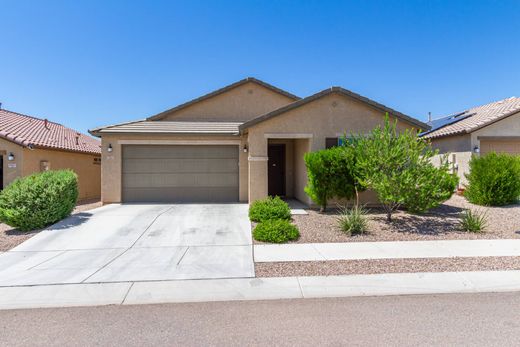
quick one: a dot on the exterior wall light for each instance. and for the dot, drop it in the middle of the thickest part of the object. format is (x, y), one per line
(476, 149)
(245, 149)
(110, 149)
(10, 157)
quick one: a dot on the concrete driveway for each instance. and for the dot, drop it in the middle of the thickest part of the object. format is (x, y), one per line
(136, 242)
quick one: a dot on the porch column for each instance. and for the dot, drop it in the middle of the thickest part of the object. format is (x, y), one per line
(257, 167)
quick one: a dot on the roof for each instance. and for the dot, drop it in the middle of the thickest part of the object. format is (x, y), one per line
(169, 127)
(474, 118)
(223, 90)
(29, 131)
(338, 90)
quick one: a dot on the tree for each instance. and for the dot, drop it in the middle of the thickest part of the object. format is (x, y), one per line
(398, 167)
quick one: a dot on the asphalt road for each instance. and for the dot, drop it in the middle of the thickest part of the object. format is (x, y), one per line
(442, 320)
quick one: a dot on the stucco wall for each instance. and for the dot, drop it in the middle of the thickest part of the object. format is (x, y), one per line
(242, 103)
(11, 169)
(89, 173)
(509, 126)
(28, 161)
(329, 116)
(111, 162)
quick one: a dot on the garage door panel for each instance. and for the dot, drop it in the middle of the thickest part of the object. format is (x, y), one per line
(181, 194)
(180, 152)
(179, 180)
(180, 173)
(180, 165)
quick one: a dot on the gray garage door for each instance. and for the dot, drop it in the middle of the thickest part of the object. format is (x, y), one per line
(180, 173)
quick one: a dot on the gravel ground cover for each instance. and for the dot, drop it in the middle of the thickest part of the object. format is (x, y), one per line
(439, 224)
(10, 238)
(378, 266)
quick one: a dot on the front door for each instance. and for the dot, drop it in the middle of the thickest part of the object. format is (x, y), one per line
(276, 170)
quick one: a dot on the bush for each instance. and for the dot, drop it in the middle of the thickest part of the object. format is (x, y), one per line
(269, 208)
(38, 200)
(275, 231)
(353, 221)
(493, 180)
(330, 175)
(473, 221)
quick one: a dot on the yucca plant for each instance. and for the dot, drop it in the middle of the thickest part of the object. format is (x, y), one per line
(473, 221)
(353, 220)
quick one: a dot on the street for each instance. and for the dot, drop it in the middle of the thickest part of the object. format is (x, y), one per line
(459, 319)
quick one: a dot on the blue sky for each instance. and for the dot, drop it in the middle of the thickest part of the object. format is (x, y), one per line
(91, 63)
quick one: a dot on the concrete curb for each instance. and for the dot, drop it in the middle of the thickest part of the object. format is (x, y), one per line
(132, 293)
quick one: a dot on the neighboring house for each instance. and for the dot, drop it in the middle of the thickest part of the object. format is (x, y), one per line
(494, 127)
(29, 145)
(239, 143)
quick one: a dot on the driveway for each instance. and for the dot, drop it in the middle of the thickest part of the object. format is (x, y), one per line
(136, 242)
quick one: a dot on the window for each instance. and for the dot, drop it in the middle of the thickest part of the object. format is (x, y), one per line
(331, 142)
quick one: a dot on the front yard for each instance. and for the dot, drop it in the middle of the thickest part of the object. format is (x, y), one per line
(439, 224)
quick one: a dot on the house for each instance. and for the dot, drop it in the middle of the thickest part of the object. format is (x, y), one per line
(29, 144)
(494, 127)
(239, 143)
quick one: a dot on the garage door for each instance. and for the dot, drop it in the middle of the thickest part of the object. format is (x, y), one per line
(180, 173)
(500, 146)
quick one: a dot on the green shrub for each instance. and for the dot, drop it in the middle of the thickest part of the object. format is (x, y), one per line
(493, 180)
(38, 200)
(269, 208)
(276, 231)
(473, 221)
(330, 175)
(397, 166)
(353, 220)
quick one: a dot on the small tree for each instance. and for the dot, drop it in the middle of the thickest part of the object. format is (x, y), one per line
(330, 175)
(397, 166)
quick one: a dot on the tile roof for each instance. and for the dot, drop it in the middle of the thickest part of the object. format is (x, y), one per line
(31, 131)
(474, 118)
(171, 127)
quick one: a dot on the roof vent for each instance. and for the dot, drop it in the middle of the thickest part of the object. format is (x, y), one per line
(77, 139)
(46, 123)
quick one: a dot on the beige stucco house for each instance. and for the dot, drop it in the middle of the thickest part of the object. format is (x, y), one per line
(29, 144)
(494, 127)
(239, 143)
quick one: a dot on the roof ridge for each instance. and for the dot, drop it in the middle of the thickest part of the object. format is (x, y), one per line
(33, 117)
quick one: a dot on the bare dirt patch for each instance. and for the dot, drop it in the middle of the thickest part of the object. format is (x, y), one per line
(10, 237)
(440, 223)
(379, 266)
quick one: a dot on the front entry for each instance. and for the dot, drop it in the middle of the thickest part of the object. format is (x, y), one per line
(276, 170)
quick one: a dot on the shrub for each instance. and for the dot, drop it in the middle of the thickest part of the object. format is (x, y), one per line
(354, 220)
(330, 175)
(276, 231)
(493, 180)
(38, 200)
(397, 166)
(473, 221)
(269, 208)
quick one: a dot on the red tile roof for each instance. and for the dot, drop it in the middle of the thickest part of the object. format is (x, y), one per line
(31, 131)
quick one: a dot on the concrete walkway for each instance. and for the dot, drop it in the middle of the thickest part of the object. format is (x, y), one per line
(386, 250)
(257, 289)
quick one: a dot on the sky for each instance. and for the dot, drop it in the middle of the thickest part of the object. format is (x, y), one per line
(86, 64)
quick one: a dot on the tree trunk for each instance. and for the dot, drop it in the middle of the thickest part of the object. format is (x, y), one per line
(389, 217)
(357, 197)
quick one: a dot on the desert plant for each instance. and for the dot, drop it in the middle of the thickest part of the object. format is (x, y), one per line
(269, 208)
(330, 175)
(397, 166)
(473, 221)
(493, 180)
(276, 231)
(38, 200)
(353, 220)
